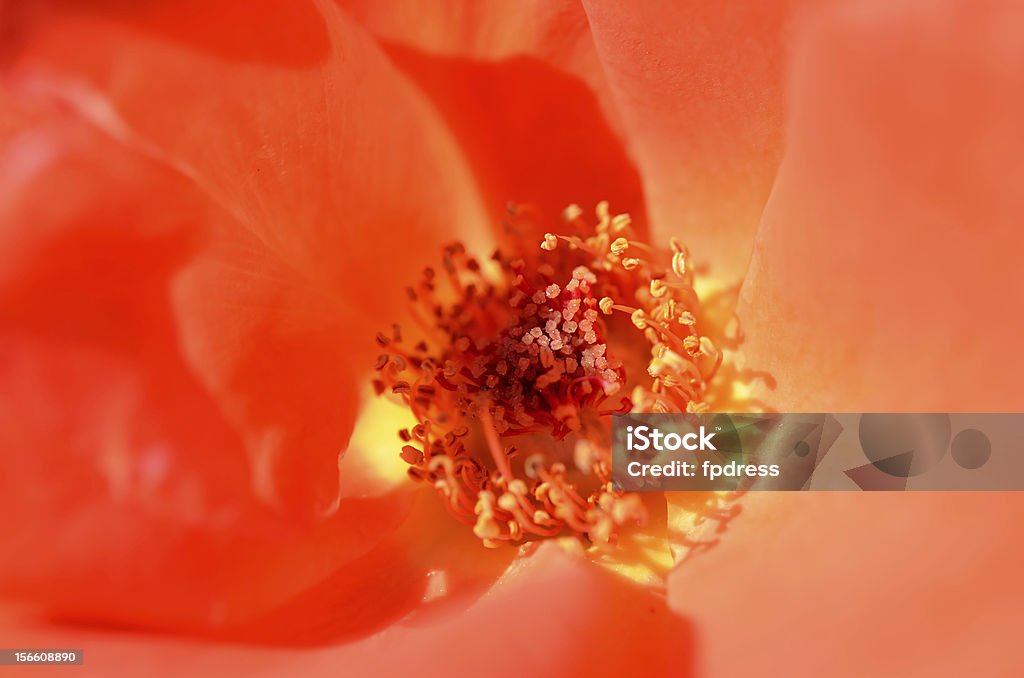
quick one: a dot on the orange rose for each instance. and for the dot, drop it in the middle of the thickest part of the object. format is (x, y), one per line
(207, 210)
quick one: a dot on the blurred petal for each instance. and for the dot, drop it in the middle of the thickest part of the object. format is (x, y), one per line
(429, 565)
(285, 114)
(295, 137)
(492, 29)
(698, 86)
(554, 32)
(883, 279)
(886, 274)
(554, 614)
(279, 355)
(843, 584)
(522, 89)
(128, 495)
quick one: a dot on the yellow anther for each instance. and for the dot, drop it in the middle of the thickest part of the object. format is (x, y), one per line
(603, 218)
(584, 273)
(630, 263)
(658, 288)
(484, 501)
(605, 305)
(585, 455)
(619, 245)
(687, 318)
(552, 291)
(543, 518)
(487, 527)
(668, 361)
(508, 502)
(670, 308)
(518, 488)
(601, 531)
(550, 242)
(572, 212)
(678, 264)
(621, 222)
(694, 407)
(533, 465)
(639, 319)
(708, 348)
(627, 508)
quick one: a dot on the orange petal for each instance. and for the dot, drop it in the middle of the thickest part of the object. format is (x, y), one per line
(886, 274)
(844, 584)
(491, 30)
(555, 33)
(279, 356)
(429, 565)
(523, 91)
(883, 280)
(555, 614)
(285, 114)
(128, 494)
(336, 174)
(699, 90)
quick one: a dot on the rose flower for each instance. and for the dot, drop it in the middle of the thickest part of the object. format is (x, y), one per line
(313, 316)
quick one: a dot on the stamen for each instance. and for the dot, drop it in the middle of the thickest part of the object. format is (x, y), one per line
(520, 355)
(494, 445)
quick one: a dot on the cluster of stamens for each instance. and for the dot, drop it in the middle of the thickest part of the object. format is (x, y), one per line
(514, 365)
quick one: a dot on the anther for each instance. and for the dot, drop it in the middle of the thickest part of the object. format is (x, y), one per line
(621, 222)
(678, 264)
(411, 455)
(708, 348)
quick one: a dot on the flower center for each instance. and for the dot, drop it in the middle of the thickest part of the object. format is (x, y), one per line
(514, 365)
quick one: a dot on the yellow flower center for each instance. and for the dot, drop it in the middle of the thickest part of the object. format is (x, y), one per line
(515, 364)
